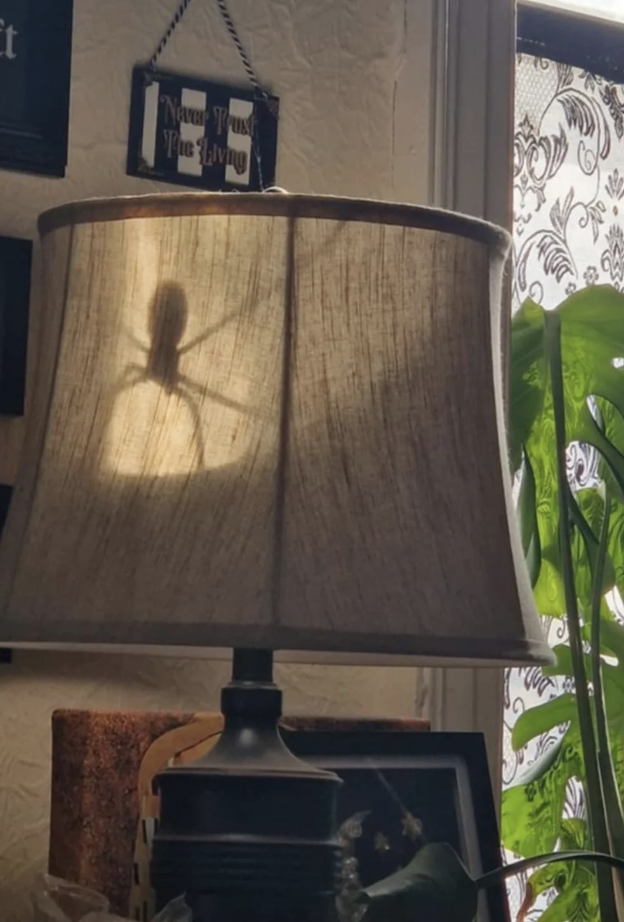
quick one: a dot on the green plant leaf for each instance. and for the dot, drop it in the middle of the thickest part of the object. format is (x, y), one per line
(532, 810)
(592, 335)
(613, 681)
(575, 835)
(527, 517)
(588, 514)
(568, 878)
(610, 792)
(571, 875)
(532, 432)
(567, 386)
(592, 338)
(616, 543)
(529, 375)
(578, 903)
(537, 720)
(612, 638)
(434, 887)
(612, 424)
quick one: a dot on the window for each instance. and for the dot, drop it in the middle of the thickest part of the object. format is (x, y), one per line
(568, 233)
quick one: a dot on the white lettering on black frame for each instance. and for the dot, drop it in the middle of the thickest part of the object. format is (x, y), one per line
(8, 36)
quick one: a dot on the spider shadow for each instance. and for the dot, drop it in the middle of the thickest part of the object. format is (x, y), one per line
(167, 322)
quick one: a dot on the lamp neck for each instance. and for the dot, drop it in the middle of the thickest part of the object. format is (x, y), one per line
(252, 694)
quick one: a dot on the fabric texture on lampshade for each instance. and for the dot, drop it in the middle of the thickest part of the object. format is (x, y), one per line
(271, 421)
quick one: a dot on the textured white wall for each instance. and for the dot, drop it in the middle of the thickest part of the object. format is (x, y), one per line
(354, 82)
(338, 68)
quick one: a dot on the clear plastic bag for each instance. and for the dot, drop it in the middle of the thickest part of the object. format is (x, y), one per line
(175, 911)
(57, 900)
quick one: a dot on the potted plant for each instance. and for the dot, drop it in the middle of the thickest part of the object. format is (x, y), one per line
(567, 385)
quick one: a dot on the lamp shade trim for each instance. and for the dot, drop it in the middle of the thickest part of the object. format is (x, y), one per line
(491, 651)
(270, 204)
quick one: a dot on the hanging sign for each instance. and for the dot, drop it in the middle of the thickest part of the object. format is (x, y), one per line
(196, 133)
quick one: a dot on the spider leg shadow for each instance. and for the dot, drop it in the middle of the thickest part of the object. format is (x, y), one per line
(208, 332)
(133, 375)
(185, 381)
(197, 427)
(135, 340)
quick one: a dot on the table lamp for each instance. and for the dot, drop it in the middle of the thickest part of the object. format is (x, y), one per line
(266, 422)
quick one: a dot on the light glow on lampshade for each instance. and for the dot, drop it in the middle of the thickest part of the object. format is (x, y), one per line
(175, 412)
(178, 400)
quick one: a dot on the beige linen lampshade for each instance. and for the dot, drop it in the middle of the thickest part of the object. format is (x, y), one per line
(268, 421)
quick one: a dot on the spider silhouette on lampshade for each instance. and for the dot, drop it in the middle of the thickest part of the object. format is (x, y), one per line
(163, 354)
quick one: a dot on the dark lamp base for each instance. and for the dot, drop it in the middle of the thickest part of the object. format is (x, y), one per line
(248, 832)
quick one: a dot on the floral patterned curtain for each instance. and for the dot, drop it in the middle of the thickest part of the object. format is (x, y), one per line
(568, 233)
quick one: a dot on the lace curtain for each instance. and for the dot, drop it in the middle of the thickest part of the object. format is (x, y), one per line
(568, 233)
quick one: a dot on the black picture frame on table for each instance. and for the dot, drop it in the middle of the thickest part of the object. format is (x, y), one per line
(35, 74)
(440, 780)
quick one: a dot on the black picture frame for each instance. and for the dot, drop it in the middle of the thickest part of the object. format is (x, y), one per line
(15, 274)
(6, 492)
(35, 75)
(442, 779)
(593, 44)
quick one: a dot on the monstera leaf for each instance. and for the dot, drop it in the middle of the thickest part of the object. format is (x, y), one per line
(562, 709)
(567, 385)
(591, 324)
(533, 809)
(616, 543)
(574, 882)
(592, 340)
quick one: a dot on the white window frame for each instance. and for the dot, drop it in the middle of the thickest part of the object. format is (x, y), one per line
(472, 157)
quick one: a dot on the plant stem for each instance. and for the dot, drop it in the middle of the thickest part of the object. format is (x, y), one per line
(492, 878)
(595, 803)
(605, 763)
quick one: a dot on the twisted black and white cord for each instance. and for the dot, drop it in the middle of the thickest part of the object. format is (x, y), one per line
(178, 16)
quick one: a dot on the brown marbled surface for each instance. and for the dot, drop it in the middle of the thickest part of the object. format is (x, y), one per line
(94, 809)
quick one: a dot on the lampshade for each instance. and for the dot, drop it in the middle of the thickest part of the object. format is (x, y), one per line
(268, 421)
